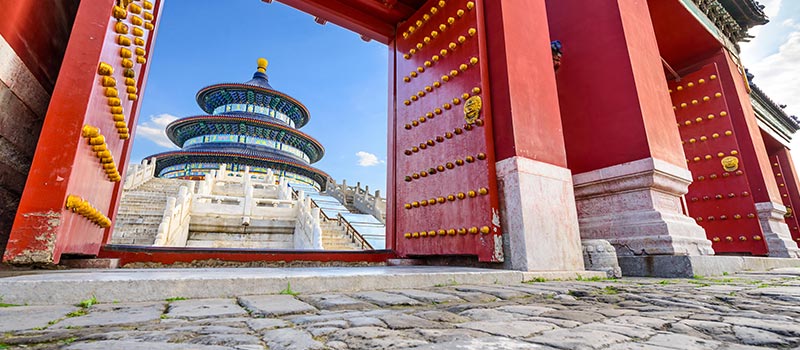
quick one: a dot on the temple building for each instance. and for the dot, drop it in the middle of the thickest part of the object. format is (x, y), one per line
(243, 179)
(248, 124)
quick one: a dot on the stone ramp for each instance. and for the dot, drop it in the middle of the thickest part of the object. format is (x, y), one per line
(335, 237)
(138, 285)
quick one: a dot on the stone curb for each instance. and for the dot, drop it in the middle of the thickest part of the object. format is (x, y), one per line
(72, 286)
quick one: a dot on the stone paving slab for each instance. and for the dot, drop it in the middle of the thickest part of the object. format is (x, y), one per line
(203, 308)
(275, 305)
(17, 318)
(730, 313)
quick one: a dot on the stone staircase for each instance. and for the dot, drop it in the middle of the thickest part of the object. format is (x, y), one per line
(217, 233)
(334, 237)
(141, 210)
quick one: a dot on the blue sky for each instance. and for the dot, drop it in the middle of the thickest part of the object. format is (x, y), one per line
(340, 78)
(343, 80)
(774, 57)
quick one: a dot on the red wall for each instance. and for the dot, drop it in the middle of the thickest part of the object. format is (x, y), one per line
(753, 151)
(524, 97)
(613, 94)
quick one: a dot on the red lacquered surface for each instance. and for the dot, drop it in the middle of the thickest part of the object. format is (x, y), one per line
(427, 139)
(64, 163)
(720, 198)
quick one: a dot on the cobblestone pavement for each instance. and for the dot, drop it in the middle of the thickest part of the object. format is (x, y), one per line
(743, 311)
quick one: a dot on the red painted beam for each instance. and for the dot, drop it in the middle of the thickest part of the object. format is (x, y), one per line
(171, 255)
(344, 13)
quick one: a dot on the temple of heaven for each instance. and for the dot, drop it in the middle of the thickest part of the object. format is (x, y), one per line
(248, 124)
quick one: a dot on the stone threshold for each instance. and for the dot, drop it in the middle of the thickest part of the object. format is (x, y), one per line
(134, 285)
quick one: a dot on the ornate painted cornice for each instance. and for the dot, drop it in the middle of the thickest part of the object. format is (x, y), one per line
(166, 159)
(185, 128)
(772, 116)
(733, 17)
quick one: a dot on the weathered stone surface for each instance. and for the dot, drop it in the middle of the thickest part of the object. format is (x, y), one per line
(336, 302)
(132, 345)
(640, 314)
(403, 321)
(227, 340)
(448, 335)
(290, 339)
(527, 310)
(514, 329)
(579, 338)
(782, 328)
(599, 255)
(679, 341)
(494, 343)
(275, 305)
(500, 292)
(472, 297)
(205, 308)
(490, 314)
(115, 314)
(19, 318)
(753, 336)
(386, 299)
(317, 332)
(366, 322)
(442, 316)
(377, 338)
(260, 324)
(574, 315)
(428, 296)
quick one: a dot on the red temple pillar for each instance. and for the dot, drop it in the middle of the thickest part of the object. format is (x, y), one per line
(622, 143)
(756, 163)
(536, 192)
(789, 187)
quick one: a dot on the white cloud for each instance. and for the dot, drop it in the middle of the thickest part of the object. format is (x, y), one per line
(155, 130)
(778, 74)
(367, 159)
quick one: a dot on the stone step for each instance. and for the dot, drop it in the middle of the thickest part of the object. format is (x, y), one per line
(326, 241)
(145, 198)
(242, 237)
(134, 222)
(247, 244)
(132, 211)
(144, 215)
(139, 235)
(132, 226)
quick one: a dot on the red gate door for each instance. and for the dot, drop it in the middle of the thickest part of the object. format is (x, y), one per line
(75, 177)
(719, 197)
(786, 197)
(446, 192)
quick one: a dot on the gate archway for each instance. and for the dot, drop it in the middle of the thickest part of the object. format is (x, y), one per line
(443, 192)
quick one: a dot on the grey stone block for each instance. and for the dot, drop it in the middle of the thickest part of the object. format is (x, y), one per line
(599, 255)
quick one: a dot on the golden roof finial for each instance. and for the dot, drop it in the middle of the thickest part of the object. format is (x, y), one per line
(262, 65)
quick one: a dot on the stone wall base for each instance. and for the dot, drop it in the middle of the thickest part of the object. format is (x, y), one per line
(690, 266)
(537, 211)
(636, 206)
(776, 232)
(23, 105)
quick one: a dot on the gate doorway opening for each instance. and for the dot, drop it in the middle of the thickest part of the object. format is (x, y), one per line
(314, 108)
